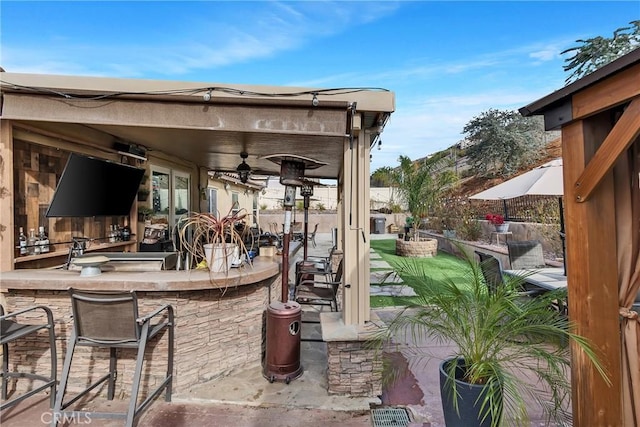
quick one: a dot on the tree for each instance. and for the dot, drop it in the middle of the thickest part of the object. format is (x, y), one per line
(503, 142)
(381, 177)
(598, 51)
(422, 183)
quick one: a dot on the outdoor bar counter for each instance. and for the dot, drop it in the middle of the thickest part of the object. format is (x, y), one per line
(219, 319)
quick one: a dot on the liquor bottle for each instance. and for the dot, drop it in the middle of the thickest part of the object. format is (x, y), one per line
(22, 239)
(32, 243)
(126, 233)
(112, 234)
(44, 240)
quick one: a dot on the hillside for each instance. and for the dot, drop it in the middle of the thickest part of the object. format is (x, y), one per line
(472, 185)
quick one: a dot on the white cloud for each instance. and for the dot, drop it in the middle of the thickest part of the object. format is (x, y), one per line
(266, 29)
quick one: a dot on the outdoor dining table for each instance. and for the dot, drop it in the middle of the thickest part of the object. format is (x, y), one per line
(551, 278)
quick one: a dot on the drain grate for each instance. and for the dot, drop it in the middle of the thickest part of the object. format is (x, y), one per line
(390, 417)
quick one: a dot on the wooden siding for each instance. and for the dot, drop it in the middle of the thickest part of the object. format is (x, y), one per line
(36, 174)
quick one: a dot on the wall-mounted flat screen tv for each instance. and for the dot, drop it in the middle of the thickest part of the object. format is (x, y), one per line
(95, 187)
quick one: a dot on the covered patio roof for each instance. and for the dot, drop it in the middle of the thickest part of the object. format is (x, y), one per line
(203, 123)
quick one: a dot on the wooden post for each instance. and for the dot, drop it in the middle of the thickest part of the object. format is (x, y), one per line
(7, 222)
(592, 278)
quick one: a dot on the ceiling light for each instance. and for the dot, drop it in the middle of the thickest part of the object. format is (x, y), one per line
(244, 170)
(207, 96)
(315, 100)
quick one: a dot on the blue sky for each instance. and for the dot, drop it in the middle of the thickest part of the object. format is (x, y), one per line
(446, 61)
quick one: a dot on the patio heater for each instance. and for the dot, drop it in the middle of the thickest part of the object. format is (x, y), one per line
(306, 191)
(284, 317)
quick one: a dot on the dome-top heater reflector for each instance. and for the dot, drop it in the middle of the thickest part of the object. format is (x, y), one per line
(292, 169)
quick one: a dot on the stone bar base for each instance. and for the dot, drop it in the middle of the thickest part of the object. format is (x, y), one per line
(354, 367)
(217, 331)
(425, 248)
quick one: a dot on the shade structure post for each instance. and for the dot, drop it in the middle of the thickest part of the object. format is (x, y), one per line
(562, 236)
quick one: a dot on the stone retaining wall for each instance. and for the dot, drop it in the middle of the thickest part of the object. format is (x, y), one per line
(425, 248)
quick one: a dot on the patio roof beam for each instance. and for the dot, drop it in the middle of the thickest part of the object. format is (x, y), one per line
(311, 121)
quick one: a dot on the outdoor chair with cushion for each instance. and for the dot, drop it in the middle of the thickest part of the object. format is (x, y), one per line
(320, 292)
(526, 254)
(111, 320)
(11, 330)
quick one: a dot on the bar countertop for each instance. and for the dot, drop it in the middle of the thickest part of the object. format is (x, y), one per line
(262, 268)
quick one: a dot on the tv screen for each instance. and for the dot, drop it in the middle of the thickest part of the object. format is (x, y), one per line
(95, 187)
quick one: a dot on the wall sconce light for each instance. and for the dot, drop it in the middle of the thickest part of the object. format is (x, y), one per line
(207, 96)
(314, 100)
(226, 186)
(244, 170)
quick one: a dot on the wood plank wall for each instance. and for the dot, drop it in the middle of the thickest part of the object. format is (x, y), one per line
(37, 171)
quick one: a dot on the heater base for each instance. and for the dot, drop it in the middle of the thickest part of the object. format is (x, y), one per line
(284, 378)
(282, 356)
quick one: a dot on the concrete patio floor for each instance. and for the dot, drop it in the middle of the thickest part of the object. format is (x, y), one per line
(246, 399)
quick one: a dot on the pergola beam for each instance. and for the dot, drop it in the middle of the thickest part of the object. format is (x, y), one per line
(619, 139)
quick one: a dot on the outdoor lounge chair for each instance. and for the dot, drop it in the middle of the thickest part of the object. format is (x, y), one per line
(10, 331)
(526, 254)
(320, 292)
(493, 277)
(110, 319)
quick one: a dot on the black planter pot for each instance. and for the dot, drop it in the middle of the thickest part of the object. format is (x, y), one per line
(470, 397)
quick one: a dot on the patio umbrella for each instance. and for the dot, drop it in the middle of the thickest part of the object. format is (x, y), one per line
(544, 180)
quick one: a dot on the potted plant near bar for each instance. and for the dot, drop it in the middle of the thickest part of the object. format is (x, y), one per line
(213, 239)
(505, 350)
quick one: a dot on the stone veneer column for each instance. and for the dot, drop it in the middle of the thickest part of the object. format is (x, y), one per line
(354, 368)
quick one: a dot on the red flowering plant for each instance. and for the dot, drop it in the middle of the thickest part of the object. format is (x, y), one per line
(495, 219)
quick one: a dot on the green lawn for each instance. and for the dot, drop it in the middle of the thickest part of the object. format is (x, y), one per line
(443, 266)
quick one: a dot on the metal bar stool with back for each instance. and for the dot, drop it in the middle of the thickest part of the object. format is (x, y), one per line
(111, 320)
(13, 330)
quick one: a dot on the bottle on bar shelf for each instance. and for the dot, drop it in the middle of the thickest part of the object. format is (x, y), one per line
(22, 241)
(32, 243)
(44, 240)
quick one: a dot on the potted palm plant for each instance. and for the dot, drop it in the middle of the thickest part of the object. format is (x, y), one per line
(213, 239)
(507, 350)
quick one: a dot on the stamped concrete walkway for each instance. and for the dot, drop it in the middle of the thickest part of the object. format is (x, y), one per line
(384, 280)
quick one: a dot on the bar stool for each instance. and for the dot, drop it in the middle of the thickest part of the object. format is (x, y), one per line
(10, 331)
(109, 319)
